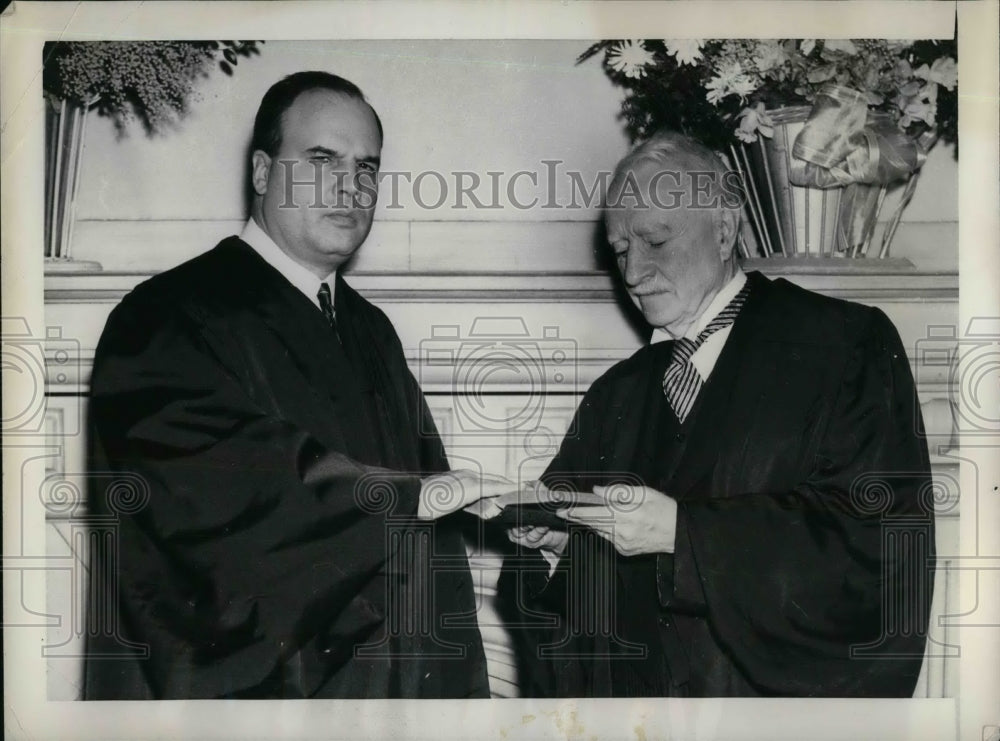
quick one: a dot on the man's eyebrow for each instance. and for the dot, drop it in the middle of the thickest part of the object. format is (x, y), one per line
(318, 149)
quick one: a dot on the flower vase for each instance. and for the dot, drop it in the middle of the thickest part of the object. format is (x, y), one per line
(860, 205)
(795, 221)
(65, 126)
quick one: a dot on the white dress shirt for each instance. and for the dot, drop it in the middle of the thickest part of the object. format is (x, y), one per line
(296, 274)
(707, 354)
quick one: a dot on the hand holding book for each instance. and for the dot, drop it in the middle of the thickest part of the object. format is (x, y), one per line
(536, 506)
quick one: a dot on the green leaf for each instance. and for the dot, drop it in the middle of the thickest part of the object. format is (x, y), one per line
(821, 74)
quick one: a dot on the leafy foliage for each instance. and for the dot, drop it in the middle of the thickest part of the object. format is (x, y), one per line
(705, 88)
(152, 81)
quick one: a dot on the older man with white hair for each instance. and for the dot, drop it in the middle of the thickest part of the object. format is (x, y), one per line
(767, 529)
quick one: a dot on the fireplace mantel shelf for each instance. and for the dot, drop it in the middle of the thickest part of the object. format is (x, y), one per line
(871, 282)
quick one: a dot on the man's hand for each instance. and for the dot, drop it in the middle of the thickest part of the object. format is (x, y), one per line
(636, 520)
(451, 491)
(550, 542)
(540, 537)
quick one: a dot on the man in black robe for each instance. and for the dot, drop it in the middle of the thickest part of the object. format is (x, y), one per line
(768, 527)
(277, 477)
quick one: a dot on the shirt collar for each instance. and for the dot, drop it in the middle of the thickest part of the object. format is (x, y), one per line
(299, 276)
(726, 294)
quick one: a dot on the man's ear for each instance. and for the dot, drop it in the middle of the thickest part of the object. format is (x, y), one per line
(727, 226)
(261, 169)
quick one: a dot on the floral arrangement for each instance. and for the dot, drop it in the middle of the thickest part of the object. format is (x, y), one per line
(719, 90)
(152, 81)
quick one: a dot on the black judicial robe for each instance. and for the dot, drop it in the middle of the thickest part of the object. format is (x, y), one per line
(804, 533)
(270, 549)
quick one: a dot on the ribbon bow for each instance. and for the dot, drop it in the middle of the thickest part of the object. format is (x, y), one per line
(843, 143)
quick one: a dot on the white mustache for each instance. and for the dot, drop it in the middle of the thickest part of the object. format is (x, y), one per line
(648, 289)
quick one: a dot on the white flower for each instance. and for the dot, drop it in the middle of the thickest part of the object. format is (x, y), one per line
(918, 110)
(769, 55)
(630, 58)
(730, 80)
(807, 46)
(743, 86)
(944, 72)
(717, 90)
(752, 121)
(920, 106)
(687, 51)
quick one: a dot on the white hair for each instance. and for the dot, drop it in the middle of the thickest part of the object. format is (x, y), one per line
(680, 152)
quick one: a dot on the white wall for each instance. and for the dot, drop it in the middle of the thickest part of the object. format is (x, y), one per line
(147, 203)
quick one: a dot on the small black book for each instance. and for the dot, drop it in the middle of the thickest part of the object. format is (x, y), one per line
(538, 509)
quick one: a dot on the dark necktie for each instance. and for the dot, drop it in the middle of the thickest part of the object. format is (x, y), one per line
(681, 382)
(326, 304)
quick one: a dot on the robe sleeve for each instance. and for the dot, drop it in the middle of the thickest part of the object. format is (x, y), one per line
(825, 589)
(253, 536)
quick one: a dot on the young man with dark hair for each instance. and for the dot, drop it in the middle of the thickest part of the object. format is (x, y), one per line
(284, 548)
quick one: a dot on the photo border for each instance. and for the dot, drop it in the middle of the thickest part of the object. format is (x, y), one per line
(25, 26)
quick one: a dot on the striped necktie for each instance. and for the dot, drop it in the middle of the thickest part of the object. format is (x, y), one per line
(681, 382)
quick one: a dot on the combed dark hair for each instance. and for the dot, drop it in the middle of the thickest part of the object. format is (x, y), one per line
(281, 95)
